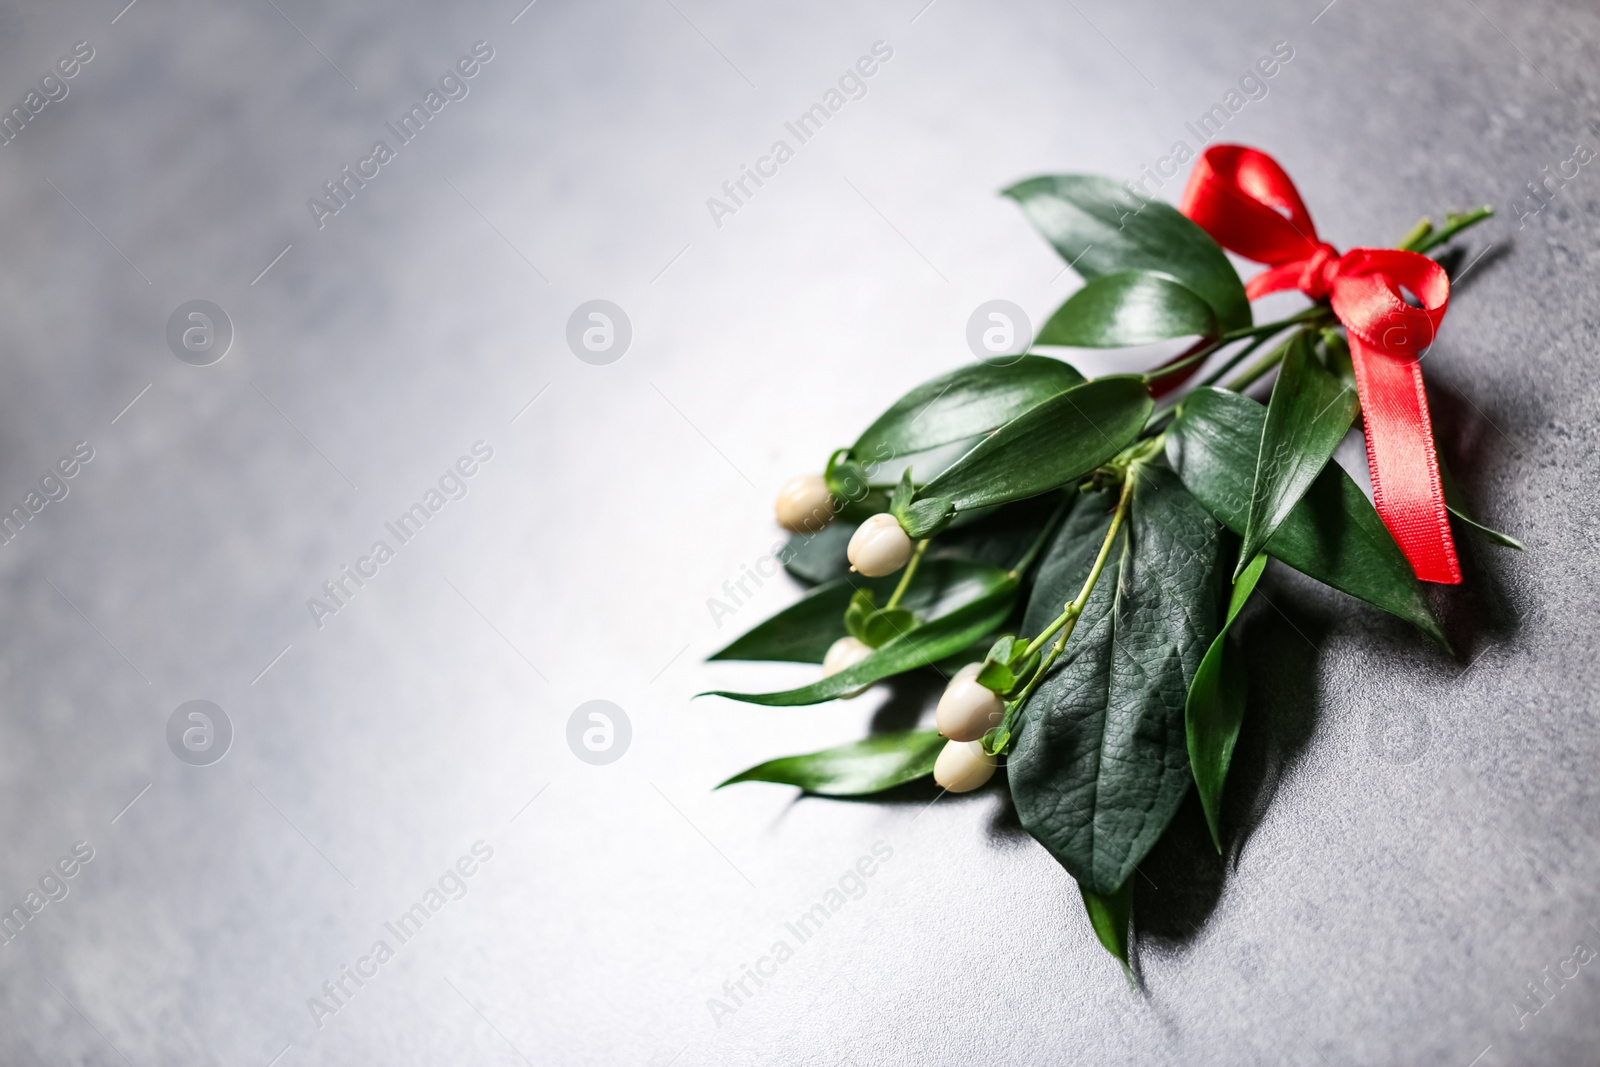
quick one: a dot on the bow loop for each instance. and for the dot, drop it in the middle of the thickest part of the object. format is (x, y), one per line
(1368, 296)
(1248, 204)
(1245, 200)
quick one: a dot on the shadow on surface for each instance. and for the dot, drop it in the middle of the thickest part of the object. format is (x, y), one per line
(911, 696)
(1479, 611)
(1180, 882)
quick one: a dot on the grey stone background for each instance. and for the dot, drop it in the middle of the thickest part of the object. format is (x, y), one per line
(1413, 839)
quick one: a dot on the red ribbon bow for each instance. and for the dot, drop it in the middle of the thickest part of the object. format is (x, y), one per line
(1246, 202)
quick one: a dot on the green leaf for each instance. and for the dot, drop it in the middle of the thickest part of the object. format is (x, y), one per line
(1101, 759)
(965, 403)
(1132, 307)
(852, 490)
(1111, 916)
(1308, 415)
(1000, 536)
(1051, 445)
(1214, 710)
(1101, 228)
(918, 647)
(996, 676)
(1332, 535)
(1456, 504)
(870, 765)
(994, 671)
(886, 624)
(1335, 352)
(802, 632)
(818, 557)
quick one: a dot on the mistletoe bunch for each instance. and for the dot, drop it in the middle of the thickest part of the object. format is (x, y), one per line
(1071, 554)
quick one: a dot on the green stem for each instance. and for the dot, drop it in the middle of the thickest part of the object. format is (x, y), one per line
(1233, 361)
(905, 576)
(1067, 621)
(1266, 329)
(1069, 615)
(1416, 235)
(1454, 224)
(1262, 365)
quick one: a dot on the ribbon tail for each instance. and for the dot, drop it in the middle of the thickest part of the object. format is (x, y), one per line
(1405, 468)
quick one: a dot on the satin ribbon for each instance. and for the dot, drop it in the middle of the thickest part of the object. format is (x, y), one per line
(1244, 200)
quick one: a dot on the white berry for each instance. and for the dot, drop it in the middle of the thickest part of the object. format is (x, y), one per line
(804, 504)
(879, 546)
(968, 710)
(844, 654)
(963, 766)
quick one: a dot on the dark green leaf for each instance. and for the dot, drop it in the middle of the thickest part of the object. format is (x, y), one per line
(1101, 760)
(925, 644)
(1336, 356)
(1308, 415)
(966, 403)
(818, 557)
(1333, 534)
(1132, 307)
(802, 632)
(1004, 535)
(1101, 228)
(1454, 501)
(870, 765)
(1051, 445)
(1112, 919)
(928, 516)
(1215, 707)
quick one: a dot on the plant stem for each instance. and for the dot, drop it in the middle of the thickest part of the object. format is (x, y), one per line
(1069, 615)
(1453, 225)
(905, 576)
(1416, 235)
(1266, 329)
(1067, 621)
(1262, 365)
(1233, 361)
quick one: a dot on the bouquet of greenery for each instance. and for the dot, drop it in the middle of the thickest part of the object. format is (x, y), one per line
(1072, 553)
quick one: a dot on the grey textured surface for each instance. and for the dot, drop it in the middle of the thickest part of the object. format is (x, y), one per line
(1414, 839)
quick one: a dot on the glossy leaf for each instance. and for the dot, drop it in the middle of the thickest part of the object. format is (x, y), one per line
(1101, 228)
(1308, 415)
(802, 632)
(1051, 445)
(815, 558)
(870, 765)
(1333, 535)
(1133, 307)
(1101, 762)
(1112, 919)
(1002, 536)
(965, 403)
(924, 644)
(1214, 710)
